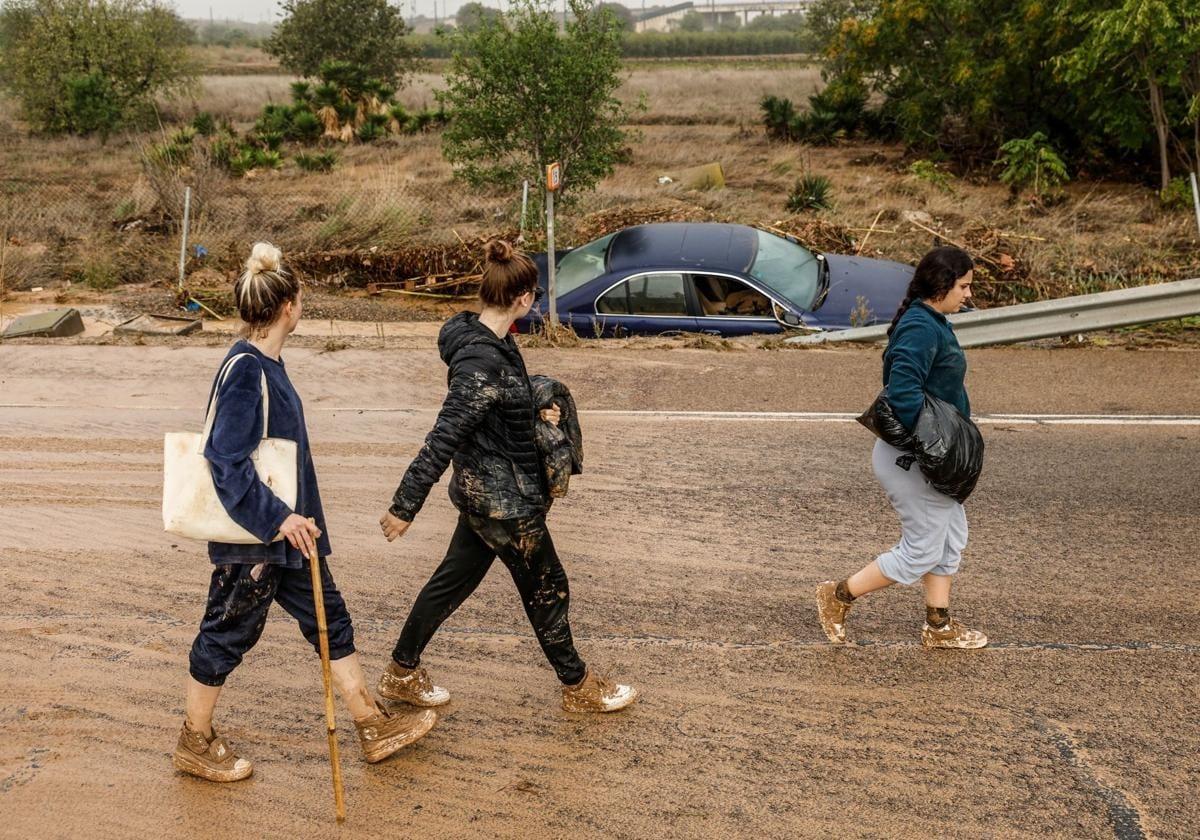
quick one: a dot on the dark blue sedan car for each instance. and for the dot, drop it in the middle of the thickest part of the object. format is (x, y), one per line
(715, 278)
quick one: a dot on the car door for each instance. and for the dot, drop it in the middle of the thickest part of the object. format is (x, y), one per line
(648, 303)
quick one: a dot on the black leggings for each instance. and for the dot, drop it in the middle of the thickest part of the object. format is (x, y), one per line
(525, 547)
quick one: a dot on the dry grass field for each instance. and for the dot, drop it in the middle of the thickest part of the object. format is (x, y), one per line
(62, 199)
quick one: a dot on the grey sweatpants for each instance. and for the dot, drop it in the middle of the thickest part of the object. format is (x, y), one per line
(933, 527)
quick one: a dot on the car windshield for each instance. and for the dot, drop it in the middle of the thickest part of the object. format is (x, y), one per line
(581, 265)
(787, 268)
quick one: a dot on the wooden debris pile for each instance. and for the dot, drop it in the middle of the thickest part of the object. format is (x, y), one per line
(818, 234)
(435, 270)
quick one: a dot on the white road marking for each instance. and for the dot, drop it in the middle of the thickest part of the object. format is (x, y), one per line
(760, 416)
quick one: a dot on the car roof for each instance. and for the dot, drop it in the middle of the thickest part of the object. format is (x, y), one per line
(697, 245)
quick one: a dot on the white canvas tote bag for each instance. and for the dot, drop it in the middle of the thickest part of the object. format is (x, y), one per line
(190, 506)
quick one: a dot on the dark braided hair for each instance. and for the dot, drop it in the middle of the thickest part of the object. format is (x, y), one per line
(936, 274)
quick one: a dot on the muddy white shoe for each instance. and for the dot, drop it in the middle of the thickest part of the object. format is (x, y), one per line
(209, 758)
(383, 734)
(596, 694)
(411, 686)
(954, 636)
(832, 613)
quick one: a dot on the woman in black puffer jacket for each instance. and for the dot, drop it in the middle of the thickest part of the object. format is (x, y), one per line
(486, 427)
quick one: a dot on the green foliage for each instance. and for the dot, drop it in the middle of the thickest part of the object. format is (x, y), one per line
(1099, 78)
(368, 35)
(747, 41)
(1138, 69)
(811, 192)
(91, 66)
(304, 126)
(836, 112)
(523, 96)
(927, 171)
(691, 22)
(374, 128)
(320, 162)
(93, 106)
(1031, 162)
(474, 16)
(205, 124)
(790, 22)
(1177, 195)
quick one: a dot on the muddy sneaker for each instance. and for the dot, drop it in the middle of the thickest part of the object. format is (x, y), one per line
(832, 613)
(412, 686)
(596, 694)
(954, 636)
(383, 734)
(211, 759)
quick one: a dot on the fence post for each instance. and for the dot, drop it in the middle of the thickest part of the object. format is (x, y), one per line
(187, 208)
(524, 207)
(1195, 198)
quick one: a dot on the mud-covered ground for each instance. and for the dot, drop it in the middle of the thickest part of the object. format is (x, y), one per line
(693, 543)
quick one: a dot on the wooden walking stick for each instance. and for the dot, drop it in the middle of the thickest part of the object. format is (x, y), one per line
(339, 801)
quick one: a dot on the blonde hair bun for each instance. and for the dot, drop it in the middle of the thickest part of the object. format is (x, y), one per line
(263, 257)
(498, 251)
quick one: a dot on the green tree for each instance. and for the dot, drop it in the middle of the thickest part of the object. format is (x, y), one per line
(367, 33)
(472, 16)
(91, 66)
(825, 17)
(1141, 51)
(522, 95)
(691, 22)
(622, 14)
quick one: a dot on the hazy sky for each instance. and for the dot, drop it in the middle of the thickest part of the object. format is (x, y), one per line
(266, 10)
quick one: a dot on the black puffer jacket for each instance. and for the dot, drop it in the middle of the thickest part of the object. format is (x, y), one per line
(486, 426)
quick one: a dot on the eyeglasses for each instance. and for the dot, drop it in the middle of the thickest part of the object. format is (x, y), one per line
(538, 293)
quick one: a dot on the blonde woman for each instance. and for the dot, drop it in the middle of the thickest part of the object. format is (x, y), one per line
(247, 578)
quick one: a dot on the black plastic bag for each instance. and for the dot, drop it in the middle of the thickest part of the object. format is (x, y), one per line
(946, 445)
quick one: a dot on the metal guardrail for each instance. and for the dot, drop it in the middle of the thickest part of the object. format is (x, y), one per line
(1051, 318)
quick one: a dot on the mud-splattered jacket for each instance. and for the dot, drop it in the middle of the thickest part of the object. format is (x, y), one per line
(486, 427)
(561, 446)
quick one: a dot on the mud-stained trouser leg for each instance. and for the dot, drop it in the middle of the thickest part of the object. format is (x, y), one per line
(525, 547)
(237, 612)
(466, 563)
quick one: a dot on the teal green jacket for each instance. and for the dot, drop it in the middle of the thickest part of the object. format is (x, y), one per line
(922, 357)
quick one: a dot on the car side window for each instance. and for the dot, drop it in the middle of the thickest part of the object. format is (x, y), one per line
(657, 294)
(615, 301)
(728, 298)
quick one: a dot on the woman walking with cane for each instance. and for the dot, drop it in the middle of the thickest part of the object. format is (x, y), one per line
(922, 356)
(487, 428)
(247, 578)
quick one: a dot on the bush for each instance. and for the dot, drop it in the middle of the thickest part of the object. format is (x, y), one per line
(811, 192)
(927, 171)
(91, 66)
(1032, 162)
(205, 124)
(836, 112)
(321, 162)
(1177, 195)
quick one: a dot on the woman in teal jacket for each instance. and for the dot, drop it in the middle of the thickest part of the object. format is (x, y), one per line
(922, 357)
